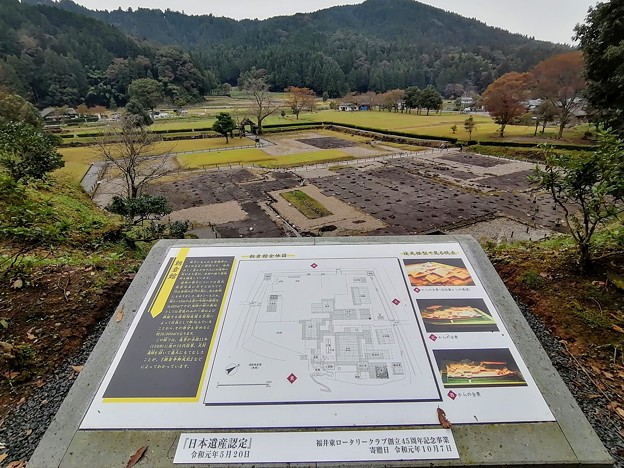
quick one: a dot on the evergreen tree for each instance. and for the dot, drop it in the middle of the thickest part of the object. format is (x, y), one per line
(224, 125)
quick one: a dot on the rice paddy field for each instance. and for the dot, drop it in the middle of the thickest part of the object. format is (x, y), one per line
(77, 160)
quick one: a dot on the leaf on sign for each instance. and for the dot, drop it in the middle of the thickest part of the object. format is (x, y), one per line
(3, 456)
(134, 459)
(444, 422)
(620, 412)
(17, 284)
(618, 329)
(119, 315)
(77, 369)
(11, 375)
(30, 336)
(17, 464)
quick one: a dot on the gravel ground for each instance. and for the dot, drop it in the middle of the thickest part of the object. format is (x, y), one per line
(25, 426)
(606, 424)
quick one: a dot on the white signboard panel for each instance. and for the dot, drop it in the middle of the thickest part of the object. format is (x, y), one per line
(310, 447)
(315, 336)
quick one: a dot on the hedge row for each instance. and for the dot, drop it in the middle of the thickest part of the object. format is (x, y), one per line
(291, 129)
(293, 124)
(517, 144)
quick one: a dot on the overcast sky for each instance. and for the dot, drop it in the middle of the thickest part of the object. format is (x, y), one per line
(551, 20)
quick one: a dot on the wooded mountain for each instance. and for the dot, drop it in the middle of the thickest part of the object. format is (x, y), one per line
(377, 45)
(56, 57)
(56, 53)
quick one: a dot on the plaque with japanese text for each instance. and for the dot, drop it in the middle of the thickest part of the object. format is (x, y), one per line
(166, 355)
(246, 337)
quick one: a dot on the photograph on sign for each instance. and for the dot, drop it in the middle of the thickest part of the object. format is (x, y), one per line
(315, 336)
(437, 272)
(478, 368)
(456, 315)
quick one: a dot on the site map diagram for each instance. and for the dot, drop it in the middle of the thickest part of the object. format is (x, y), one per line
(328, 330)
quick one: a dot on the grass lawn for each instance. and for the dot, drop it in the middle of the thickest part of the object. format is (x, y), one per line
(402, 146)
(255, 155)
(301, 159)
(77, 162)
(180, 146)
(198, 161)
(434, 124)
(307, 205)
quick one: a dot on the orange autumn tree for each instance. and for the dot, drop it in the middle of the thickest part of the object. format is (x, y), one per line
(560, 81)
(505, 98)
(299, 99)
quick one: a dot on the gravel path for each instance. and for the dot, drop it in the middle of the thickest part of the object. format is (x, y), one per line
(25, 426)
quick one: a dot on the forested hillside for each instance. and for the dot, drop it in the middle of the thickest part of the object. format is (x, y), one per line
(378, 45)
(56, 57)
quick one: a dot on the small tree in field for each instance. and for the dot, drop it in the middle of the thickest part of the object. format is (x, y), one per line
(469, 126)
(224, 125)
(589, 189)
(504, 99)
(299, 99)
(264, 103)
(134, 152)
(454, 129)
(560, 80)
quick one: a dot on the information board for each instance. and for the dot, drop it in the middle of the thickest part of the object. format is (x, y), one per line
(316, 336)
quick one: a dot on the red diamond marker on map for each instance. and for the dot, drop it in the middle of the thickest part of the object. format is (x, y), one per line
(416, 290)
(396, 302)
(291, 378)
(452, 395)
(432, 337)
(314, 265)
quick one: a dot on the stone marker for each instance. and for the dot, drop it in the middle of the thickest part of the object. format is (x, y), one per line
(404, 351)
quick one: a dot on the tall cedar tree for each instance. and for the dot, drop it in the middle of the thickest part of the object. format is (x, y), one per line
(560, 80)
(505, 98)
(601, 39)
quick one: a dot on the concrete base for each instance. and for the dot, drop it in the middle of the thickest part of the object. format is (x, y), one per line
(570, 441)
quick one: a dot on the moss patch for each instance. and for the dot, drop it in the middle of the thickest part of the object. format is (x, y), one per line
(307, 205)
